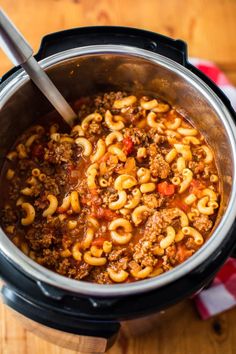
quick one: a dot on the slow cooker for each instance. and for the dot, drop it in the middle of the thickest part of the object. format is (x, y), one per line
(85, 316)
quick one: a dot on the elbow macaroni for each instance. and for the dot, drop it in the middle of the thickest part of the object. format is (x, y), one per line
(114, 136)
(117, 277)
(171, 155)
(148, 105)
(135, 200)
(139, 214)
(203, 208)
(125, 236)
(142, 274)
(144, 175)
(100, 151)
(94, 261)
(124, 182)
(115, 150)
(152, 121)
(30, 214)
(120, 202)
(209, 155)
(65, 204)
(190, 231)
(53, 204)
(184, 150)
(85, 145)
(169, 239)
(147, 187)
(113, 123)
(91, 117)
(88, 238)
(175, 124)
(187, 179)
(124, 102)
(74, 201)
(187, 131)
(92, 172)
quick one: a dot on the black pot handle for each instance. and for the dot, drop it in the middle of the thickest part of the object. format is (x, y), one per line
(151, 41)
(84, 36)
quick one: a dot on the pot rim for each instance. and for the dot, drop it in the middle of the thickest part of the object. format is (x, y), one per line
(42, 274)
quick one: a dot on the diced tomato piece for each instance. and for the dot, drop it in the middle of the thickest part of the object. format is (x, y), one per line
(109, 214)
(106, 214)
(183, 253)
(128, 145)
(195, 187)
(73, 173)
(180, 204)
(165, 188)
(94, 191)
(99, 241)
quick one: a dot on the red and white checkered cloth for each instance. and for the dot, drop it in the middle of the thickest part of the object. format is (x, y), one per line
(221, 295)
(216, 75)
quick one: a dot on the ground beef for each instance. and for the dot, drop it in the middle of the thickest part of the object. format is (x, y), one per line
(168, 215)
(152, 201)
(190, 244)
(196, 167)
(64, 267)
(154, 224)
(82, 271)
(57, 153)
(52, 185)
(166, 265)
(41, 238)
(158, 166)
(50, 258)
(157, 138)
(106, 101)
(25, 165)
(142, 252)
(203, 223)
(99, 276)
(68, 268)
(138, 136)
(116, 254)
(171, 253)
(158, 222)
(9, 216)
(94, 128)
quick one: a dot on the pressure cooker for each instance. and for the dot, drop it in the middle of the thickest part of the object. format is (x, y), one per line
(85, 316)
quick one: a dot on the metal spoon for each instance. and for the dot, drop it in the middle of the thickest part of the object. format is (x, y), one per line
(20, 53)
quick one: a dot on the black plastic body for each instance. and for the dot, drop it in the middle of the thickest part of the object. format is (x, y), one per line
(100, 316)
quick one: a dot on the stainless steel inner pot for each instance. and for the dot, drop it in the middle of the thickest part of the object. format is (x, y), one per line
(87, 70)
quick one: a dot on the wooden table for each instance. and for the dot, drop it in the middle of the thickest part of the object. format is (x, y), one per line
(209, 28)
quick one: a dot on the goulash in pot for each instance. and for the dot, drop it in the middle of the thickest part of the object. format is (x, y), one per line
(131, 192)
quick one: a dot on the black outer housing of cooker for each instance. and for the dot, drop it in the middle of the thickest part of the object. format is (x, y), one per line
(96, 316)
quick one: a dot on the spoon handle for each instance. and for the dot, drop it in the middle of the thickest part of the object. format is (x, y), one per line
(20, 53)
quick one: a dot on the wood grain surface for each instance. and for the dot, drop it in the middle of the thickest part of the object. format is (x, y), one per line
(209, 28)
